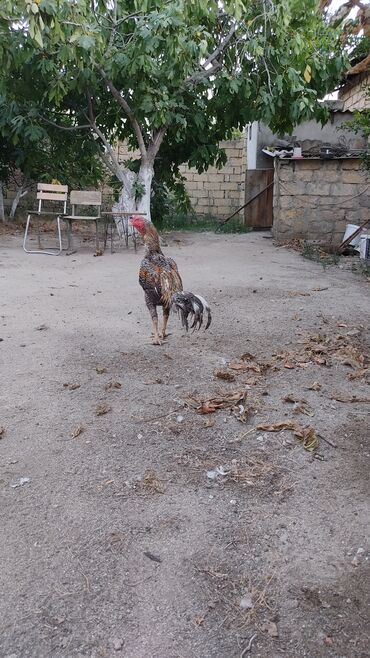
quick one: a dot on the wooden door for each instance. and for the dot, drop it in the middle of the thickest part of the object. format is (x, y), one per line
(258, 213)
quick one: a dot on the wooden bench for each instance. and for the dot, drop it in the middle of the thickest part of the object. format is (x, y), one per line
(78, 198)
(55, 195)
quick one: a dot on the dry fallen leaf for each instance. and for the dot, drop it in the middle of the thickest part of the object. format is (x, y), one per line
(223, 374)
(42, 327)
(315, 386)
(342, 397)
(306, 434)
(102, 409)
(152, 483)
(298, 293)
(77, 431)
(71, 387)
(358, 374)
(247, 356)
(271, 628)
(112, 385)
(101, 369)
(209, 423)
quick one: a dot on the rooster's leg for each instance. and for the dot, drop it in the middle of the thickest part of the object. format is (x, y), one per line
(166, 315)
(154, 315)
(156, 339)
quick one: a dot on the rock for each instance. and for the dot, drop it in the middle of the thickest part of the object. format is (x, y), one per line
(118, 643)
(246, 602)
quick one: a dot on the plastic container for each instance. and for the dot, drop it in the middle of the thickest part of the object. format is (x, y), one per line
(351, 228)
(365, 246)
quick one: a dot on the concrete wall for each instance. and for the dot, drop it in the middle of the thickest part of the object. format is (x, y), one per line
(315, 199)
(353, 94)
(310, 135)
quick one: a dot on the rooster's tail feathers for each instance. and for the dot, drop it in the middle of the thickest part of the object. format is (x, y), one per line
(193, 307)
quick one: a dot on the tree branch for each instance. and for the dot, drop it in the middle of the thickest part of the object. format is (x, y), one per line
(58, 125)
(156, 143)
(129, 112)
(220, 48)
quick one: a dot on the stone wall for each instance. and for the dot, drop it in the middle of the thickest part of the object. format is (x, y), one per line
(355, 94)
(315, 199)
(219, 192)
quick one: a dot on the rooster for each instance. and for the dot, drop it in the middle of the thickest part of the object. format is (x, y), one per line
(162, 285)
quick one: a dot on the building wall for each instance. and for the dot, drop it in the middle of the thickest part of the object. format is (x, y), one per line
(315, 199)
(353, 94)
(219, 192)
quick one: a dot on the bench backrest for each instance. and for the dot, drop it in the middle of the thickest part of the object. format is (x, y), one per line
(85, 198)
(48, 192)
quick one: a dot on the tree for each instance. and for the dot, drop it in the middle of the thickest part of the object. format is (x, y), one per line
(173, 77)
(30, 153)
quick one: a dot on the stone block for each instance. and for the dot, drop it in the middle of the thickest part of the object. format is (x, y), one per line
(217, 194)
(286, 174)
(350, 163)
(215, 178)
(364, 201)
(354, 176)
(326, 176)
(343, 189)
(214, 186)
(205, 202)
(318, 188)
(309, 164)
(357, 216)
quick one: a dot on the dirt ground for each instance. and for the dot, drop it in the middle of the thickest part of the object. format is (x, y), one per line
(122, 538)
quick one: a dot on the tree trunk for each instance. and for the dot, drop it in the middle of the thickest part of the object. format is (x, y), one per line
(2, 213)
(127, 201)
(21, 192)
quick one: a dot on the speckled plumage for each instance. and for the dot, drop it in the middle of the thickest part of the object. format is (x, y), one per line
(162, 285)
(160, 279)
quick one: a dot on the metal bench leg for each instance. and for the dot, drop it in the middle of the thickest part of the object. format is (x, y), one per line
(70, 250)
(47, 252)
(97, 235)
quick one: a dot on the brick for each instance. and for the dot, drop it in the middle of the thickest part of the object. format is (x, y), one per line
(191, 185)
(215, 178)
(217, 194)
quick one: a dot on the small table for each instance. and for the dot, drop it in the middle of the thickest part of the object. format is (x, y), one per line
(124, 225)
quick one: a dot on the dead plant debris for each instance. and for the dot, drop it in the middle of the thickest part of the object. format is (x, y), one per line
(236, 401)
(307, 435)
(77, 431)
(152, 483)
(71, 387)
(223, 374)
(103, 409)
(112, 384)
(342, 397)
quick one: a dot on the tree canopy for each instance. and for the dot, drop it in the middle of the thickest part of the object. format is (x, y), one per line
(172, 77)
